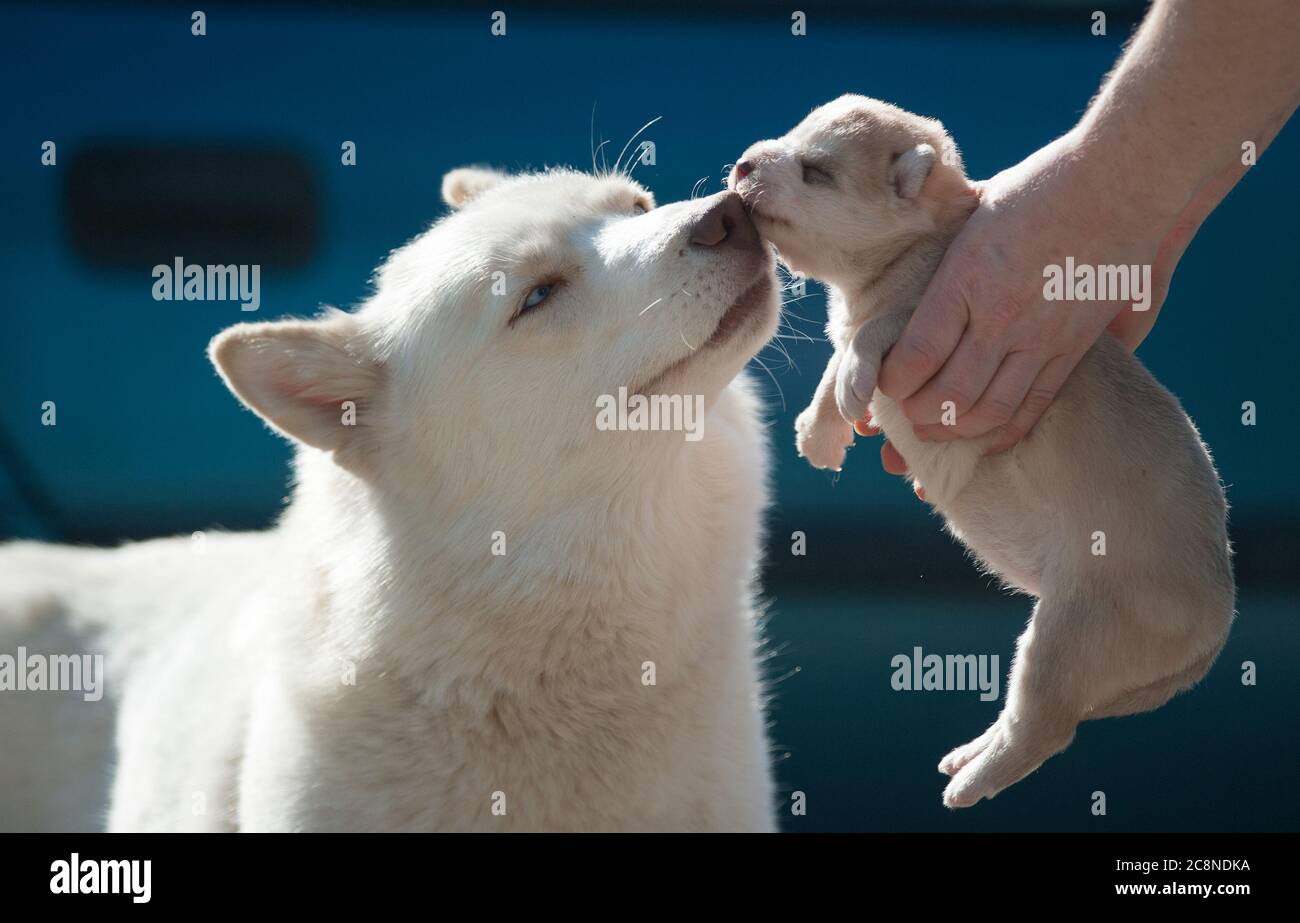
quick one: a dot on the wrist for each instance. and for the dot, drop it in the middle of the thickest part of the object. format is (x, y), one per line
(1137, 188)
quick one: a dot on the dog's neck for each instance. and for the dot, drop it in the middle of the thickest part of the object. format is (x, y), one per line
(486, 596)
(877, 285)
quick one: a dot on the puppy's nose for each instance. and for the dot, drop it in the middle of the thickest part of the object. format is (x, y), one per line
(724, 223)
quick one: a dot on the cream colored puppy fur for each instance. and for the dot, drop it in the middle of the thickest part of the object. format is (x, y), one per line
(375, 662)
(867, 197)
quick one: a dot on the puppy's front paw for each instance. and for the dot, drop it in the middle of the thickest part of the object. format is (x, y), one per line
(823, 441)
(855, 384)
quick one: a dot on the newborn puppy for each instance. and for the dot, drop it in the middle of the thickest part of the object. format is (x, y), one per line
(866, 197)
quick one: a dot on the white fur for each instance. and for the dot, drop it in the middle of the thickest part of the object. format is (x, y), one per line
(1110, 635)
(230, 660)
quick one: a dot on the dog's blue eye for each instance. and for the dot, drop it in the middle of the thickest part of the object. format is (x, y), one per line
(537, 296)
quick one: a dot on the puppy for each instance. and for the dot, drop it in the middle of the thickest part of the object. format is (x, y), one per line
(867, 197)
(484, 609)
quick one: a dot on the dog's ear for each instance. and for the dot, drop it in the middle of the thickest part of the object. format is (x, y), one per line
(464, 183)
(311, 380)
(911, 170)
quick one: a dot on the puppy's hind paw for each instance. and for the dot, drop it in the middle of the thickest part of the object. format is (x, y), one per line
(1003, 761)
(952, 764)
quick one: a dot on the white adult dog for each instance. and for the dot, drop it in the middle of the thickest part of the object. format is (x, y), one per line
(481, 610)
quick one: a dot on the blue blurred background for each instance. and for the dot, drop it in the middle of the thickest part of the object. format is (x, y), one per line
(148, 442)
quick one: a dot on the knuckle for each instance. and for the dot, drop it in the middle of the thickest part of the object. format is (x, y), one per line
(998, 410)
(1037, 401)
(1001, 312)
(956, 399)
(919, 353)
(912, 407)
(1005, 438)
(1050, 329)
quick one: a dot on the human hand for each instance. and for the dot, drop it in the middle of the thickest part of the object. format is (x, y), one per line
(984, 337)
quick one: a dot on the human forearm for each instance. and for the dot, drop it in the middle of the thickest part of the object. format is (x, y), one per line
(1199, 80)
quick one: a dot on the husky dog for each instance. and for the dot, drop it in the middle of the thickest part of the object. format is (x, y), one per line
(867, 197)
(482, 610)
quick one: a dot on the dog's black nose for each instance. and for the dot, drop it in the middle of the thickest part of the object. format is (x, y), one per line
(724, 223)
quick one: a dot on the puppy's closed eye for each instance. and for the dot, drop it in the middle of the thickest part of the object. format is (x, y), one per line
(817, 174)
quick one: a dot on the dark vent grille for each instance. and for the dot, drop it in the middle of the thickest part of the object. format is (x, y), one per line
(137, 205)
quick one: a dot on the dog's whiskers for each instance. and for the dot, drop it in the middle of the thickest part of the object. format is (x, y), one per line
(632, 164)
(780, 393)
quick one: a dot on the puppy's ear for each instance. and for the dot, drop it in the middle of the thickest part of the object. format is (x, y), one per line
(464, 183)
(299, 375)
(911, 170)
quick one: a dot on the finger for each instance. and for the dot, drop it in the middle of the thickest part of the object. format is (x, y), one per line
(999, 403)
(865, 427)
(891, 460)
(1040, 397)
(958, 387)
(928, 339)
(1131, 326)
